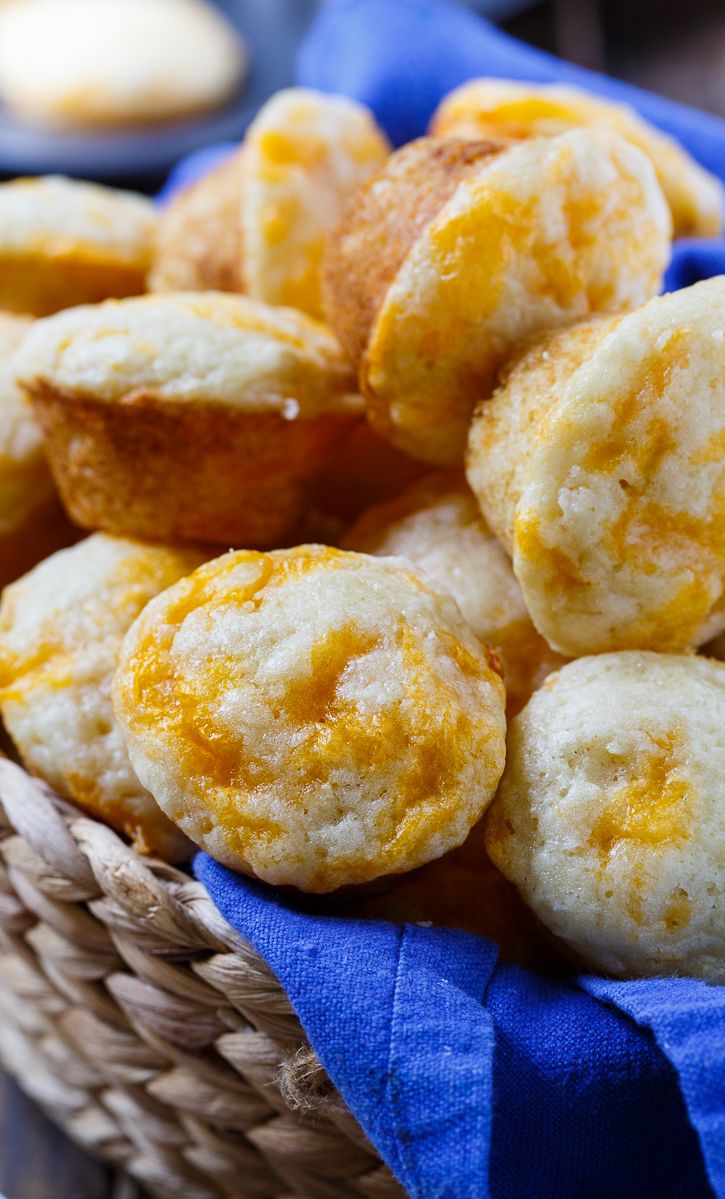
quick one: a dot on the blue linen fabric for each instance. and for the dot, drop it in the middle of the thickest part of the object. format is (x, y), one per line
(695, 258)
(475, 1079)
(400, 57)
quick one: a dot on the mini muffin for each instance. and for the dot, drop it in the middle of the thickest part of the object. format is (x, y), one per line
(98, 63)
(311, 717)
(60, 631)
(450, 256)
(437, 525)
(32, 522)
(198, 242)
(599, 464)
(197, 417)
(257, 223)
(485, 108)
(63, 242)
(610, 818)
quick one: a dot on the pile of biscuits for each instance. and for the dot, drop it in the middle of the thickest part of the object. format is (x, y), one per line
(404, 494)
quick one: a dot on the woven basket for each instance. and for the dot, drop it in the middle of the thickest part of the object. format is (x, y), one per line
(149, 1030)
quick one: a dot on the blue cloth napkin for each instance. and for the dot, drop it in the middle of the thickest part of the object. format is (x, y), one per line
(472, 1078)
(400, 57)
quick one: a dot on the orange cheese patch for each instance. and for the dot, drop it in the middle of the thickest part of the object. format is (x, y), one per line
(562, 572)
(421, 737)
(654, 807)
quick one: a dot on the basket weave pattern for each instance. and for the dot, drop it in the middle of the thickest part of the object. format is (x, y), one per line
(149, 1029)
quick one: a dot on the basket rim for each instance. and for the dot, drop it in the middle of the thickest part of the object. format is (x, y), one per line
(121, 971)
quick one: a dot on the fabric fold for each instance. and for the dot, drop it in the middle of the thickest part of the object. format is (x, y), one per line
(687, 1020)
(396, 1017)
(474, 1079)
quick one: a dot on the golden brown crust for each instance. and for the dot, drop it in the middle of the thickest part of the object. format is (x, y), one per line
(43, 285)
(381, 222)
(64, 242)
(172, 471)
(499, 439)
(518, 247)
(199, 238)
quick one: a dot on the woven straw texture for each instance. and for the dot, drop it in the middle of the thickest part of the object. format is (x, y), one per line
(149, 1029)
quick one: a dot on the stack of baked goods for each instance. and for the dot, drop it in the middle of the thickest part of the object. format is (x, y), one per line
(397, 493)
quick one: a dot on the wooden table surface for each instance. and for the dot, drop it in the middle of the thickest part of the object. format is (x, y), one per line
(38, 1162)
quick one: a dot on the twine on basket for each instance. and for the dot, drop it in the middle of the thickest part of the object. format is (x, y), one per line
(149, 1030)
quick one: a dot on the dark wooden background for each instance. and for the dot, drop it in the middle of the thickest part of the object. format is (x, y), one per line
(37, 1162)
(671, 47)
